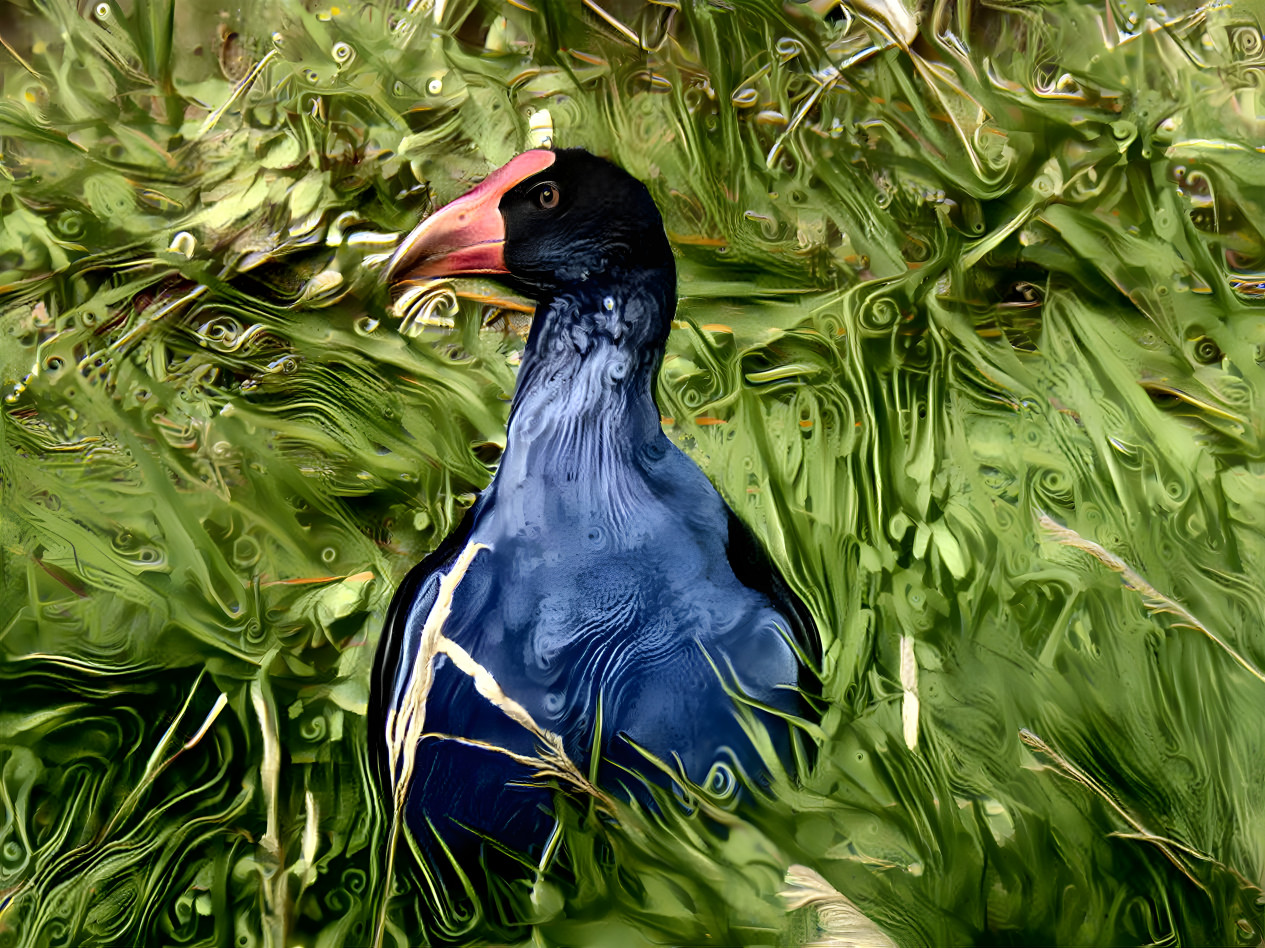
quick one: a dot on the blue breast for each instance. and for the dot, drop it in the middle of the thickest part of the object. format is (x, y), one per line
(639, 614)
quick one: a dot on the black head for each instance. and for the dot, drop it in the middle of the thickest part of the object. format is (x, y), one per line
(545, 223)
(580, 220)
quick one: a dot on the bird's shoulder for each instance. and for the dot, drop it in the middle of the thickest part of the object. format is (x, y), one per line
(703, 508)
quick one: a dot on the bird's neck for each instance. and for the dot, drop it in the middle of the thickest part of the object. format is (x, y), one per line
(584, 410)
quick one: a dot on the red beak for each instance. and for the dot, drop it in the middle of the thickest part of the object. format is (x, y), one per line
(467, 236)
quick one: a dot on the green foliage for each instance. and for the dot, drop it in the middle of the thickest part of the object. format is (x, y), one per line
(970, 332)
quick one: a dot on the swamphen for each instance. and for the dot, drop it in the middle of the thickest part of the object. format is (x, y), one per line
(611, 586)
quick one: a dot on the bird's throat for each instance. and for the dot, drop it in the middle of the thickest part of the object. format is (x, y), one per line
(584, 417)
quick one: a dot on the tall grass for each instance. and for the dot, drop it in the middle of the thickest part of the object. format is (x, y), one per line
(971, 333)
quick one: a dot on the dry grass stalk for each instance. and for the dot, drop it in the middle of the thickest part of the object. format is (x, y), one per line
(1167, 846)
(406, 726)
(839, 921)
(275, 903)
(1156, 601)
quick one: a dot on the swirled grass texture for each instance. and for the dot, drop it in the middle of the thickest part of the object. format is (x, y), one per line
(971, 333)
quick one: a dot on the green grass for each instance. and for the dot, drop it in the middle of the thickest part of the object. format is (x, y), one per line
(971, 332)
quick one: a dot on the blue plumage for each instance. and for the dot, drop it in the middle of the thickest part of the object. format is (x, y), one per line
(615, 582)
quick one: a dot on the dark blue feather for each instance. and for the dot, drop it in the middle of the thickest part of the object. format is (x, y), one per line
(616, 584)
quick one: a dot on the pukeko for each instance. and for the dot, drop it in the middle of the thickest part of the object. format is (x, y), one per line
(600, 580)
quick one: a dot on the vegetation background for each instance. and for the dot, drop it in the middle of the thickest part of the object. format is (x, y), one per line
(971, 333)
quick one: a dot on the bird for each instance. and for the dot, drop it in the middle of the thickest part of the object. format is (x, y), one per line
(599, 589)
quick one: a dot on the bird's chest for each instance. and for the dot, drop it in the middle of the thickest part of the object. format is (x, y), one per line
(574, 622)
(581, 601)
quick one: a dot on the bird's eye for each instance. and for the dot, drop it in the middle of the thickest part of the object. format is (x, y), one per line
(547, 196)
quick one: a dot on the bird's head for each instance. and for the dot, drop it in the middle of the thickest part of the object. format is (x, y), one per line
(546, 221)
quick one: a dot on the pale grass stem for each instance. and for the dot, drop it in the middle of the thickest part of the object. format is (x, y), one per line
(1167, 846)
(909, 685)
(406, 725)
(1155, 601)
(270, 773)
(840, 922)
(153, 767)
(246, 82)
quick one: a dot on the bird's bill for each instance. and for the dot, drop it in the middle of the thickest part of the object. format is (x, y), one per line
(466, 237)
